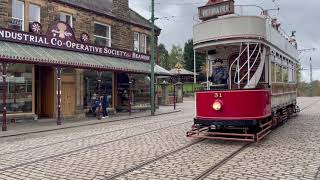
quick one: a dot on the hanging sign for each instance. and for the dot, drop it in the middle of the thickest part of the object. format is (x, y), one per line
(61, 36)
(215, 10)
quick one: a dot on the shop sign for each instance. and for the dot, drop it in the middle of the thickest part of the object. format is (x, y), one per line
(215, 10)
(61, 36)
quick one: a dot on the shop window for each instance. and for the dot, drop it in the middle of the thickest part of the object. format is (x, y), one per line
(19, 81)
(17, 22)
(91, 90)
(102, 34)
(34, 13)
(67, 18)
(140, 42)
(138, 91)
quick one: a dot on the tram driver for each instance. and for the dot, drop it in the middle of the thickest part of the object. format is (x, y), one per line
(219, 73)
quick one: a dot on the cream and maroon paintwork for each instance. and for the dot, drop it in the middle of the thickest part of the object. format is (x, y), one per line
(236, 105)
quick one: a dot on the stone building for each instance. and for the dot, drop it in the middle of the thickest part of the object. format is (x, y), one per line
(87, 39)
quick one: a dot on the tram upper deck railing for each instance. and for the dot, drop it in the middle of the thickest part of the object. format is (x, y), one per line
(238, 28)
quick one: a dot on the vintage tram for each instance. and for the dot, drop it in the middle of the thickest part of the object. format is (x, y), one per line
(251, 75)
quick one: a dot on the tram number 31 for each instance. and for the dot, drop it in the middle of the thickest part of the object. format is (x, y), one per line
(217, 95)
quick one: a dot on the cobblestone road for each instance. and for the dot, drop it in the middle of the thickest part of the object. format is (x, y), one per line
(101, 151)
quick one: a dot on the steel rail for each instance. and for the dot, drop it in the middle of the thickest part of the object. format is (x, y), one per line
(89, 136)
(151, 161)
(87, 148)
(234, 154)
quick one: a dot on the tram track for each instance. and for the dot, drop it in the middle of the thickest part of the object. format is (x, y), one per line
(216, 166)
(89, 136)
(87, 147)
(122, 173)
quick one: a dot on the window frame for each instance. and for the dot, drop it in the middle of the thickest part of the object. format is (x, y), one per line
(67, 14)
(23, 13)
(110, 39)
(36, 5)
(145, 43)
(134, 48)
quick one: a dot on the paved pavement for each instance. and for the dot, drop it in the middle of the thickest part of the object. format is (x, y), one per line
(28, 126)
(156, 148)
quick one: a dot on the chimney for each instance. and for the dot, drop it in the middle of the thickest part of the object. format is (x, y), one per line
(120, 8)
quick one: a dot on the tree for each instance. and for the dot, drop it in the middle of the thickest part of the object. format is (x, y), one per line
(188, 56)
(163, 56)
(176, 56)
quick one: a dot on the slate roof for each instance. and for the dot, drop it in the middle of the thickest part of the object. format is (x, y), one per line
(105, 7)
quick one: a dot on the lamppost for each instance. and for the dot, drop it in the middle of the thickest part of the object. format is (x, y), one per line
(152, 60)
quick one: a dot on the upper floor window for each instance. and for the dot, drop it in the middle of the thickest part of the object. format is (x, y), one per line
(18, 15)
(34, 13)
(140, 42)
(102, 34)
(67, 18)
(136, 41)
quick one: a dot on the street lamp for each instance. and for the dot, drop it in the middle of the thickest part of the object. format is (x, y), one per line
(152, 60)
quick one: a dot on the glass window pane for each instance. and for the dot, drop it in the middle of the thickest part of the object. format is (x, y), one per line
(17, 9)
(278, 73)
(273, 70)
(19, 81)
(100, 41)
(67, 18)
(136, 42)
(100, 30)
(91, 90)
(143, 38)
(34, 13)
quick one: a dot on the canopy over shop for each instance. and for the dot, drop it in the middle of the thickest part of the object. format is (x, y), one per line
(59, 49)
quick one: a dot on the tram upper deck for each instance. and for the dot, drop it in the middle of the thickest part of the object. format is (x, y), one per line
(235, 29)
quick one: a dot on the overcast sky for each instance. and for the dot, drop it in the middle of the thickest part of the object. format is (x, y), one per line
(176, 18)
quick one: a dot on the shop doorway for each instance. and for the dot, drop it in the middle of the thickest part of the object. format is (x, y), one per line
(44, 83)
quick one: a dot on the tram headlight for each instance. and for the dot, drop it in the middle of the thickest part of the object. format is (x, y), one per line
(217, 105)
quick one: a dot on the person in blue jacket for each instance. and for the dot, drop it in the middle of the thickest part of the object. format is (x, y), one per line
(105, 105)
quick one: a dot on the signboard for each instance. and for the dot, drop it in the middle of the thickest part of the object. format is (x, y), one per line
(61, 36)
(215, 10)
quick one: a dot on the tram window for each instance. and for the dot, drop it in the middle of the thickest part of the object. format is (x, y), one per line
(285, 74)
(273, 72)
(278, 73)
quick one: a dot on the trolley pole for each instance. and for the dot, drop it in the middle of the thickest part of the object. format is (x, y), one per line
(152, 61)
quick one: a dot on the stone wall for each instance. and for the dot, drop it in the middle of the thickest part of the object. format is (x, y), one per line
(83, 21)
(5, 13)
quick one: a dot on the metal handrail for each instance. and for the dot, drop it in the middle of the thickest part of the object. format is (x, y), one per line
(230, 69)
(251, 66)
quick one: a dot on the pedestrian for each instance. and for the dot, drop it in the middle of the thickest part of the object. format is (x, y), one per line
(105, 106)
(94, 104)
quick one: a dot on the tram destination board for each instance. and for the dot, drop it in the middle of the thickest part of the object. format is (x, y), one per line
(217, 9)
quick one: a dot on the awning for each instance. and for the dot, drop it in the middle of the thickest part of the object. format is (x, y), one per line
(20, 53)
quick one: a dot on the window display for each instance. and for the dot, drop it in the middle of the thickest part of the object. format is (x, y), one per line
(19, 81)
